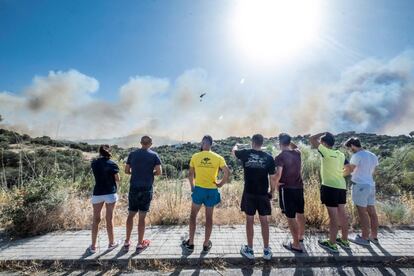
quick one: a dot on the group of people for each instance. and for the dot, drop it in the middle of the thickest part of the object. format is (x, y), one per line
(263, 176)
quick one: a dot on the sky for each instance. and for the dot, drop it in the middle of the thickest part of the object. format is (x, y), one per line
(100, 69)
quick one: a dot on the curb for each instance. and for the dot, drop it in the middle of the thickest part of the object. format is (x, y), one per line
(155, 264)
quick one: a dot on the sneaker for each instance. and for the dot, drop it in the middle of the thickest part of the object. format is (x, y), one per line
(247, 252)
(326, 244)
(344, 243)
(127, 245)
(189, 247)
(91, 249)
(142, 246)
(267, 253)
(361, 241)
(374, 240)
(112, 246)
(206, 248)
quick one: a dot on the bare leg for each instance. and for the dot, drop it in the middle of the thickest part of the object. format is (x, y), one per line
(129, 226)
(265, 230)
(141, 226)
(294, 230)
(300, 220)
(372, 213)
(364, 221)
(249, 230)
(343, 220)
(333, 223)
(97, 208)
(209, 224)
(109, 222)
(193, 220)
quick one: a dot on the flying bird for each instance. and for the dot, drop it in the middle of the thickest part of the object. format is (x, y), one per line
(201, 96)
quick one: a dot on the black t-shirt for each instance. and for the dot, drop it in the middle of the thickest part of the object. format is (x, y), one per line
(290, 161)
(257, 165)
(104, 171)
(143, 162)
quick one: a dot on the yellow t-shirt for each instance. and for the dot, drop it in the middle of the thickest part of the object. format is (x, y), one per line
(206, 165)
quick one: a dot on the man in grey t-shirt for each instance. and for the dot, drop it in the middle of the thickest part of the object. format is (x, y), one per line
(362, 167)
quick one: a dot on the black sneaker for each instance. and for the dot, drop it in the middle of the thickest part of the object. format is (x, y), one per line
(186, 244)
(206, 248)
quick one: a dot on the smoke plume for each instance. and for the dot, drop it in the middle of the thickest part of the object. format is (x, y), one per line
(371, 96)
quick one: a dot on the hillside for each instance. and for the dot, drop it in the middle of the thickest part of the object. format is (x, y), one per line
(24, 157)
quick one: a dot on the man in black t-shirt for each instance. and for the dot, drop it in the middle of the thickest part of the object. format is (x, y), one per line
(258, 168)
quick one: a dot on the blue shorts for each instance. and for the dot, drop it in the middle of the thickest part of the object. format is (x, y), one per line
(363, 195)
(208, 197)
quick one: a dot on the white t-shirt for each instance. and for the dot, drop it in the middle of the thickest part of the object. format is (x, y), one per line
(365, 162)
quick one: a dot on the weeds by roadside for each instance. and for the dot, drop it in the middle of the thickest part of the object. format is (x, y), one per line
(51, 204)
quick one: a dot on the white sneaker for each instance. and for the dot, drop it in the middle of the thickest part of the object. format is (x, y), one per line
(267, 254)
(91, 250)
(360, 240)
(247, 252)
(113, 246)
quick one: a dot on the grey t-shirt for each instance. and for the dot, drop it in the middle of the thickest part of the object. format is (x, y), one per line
(365, 163)
(142, 163)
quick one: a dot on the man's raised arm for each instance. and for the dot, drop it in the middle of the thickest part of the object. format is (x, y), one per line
(234, 149)
(314, 140)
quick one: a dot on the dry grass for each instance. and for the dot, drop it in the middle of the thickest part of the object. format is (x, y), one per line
(172, 202)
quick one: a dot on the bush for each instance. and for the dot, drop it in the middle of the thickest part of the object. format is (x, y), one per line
(31, 208)
(396, 213)
(170, 171)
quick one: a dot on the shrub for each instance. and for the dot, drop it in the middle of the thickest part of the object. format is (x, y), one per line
(32, 207)
(395, 212)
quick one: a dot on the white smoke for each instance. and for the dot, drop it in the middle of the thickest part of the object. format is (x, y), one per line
(371, 96)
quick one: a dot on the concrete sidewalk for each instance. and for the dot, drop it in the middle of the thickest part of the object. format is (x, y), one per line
(70, 247)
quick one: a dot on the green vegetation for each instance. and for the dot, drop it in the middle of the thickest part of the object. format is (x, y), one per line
(46, 184)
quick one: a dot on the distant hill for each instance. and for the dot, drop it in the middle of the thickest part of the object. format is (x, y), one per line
(23, 157)
(131, 141)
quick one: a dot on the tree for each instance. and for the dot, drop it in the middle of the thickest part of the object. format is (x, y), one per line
(411, 133)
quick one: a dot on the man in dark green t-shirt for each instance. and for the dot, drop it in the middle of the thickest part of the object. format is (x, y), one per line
(333, 189)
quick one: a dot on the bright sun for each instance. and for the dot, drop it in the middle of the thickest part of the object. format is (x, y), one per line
(271, 30)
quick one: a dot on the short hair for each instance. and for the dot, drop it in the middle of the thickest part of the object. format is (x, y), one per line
(329, 139)
(105, 151)
(146, 140)
(258, 139)
(285, 139)
(208, 139)
(353, 141)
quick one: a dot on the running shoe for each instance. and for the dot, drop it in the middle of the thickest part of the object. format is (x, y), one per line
(326, 244)
(247, 252)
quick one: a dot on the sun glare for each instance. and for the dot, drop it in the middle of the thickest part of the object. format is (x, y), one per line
(272, 30)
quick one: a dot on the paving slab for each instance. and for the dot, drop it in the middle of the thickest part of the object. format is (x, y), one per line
(70, 247)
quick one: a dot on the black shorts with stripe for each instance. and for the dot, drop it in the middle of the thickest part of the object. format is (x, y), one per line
(291, 201)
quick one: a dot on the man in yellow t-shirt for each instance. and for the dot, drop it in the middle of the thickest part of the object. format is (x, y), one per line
(204, 168)
(333, 189)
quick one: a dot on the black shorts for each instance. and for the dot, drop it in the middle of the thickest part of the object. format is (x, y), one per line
(139, 200)
(251, 203)
(332, 197)
(291, 202)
